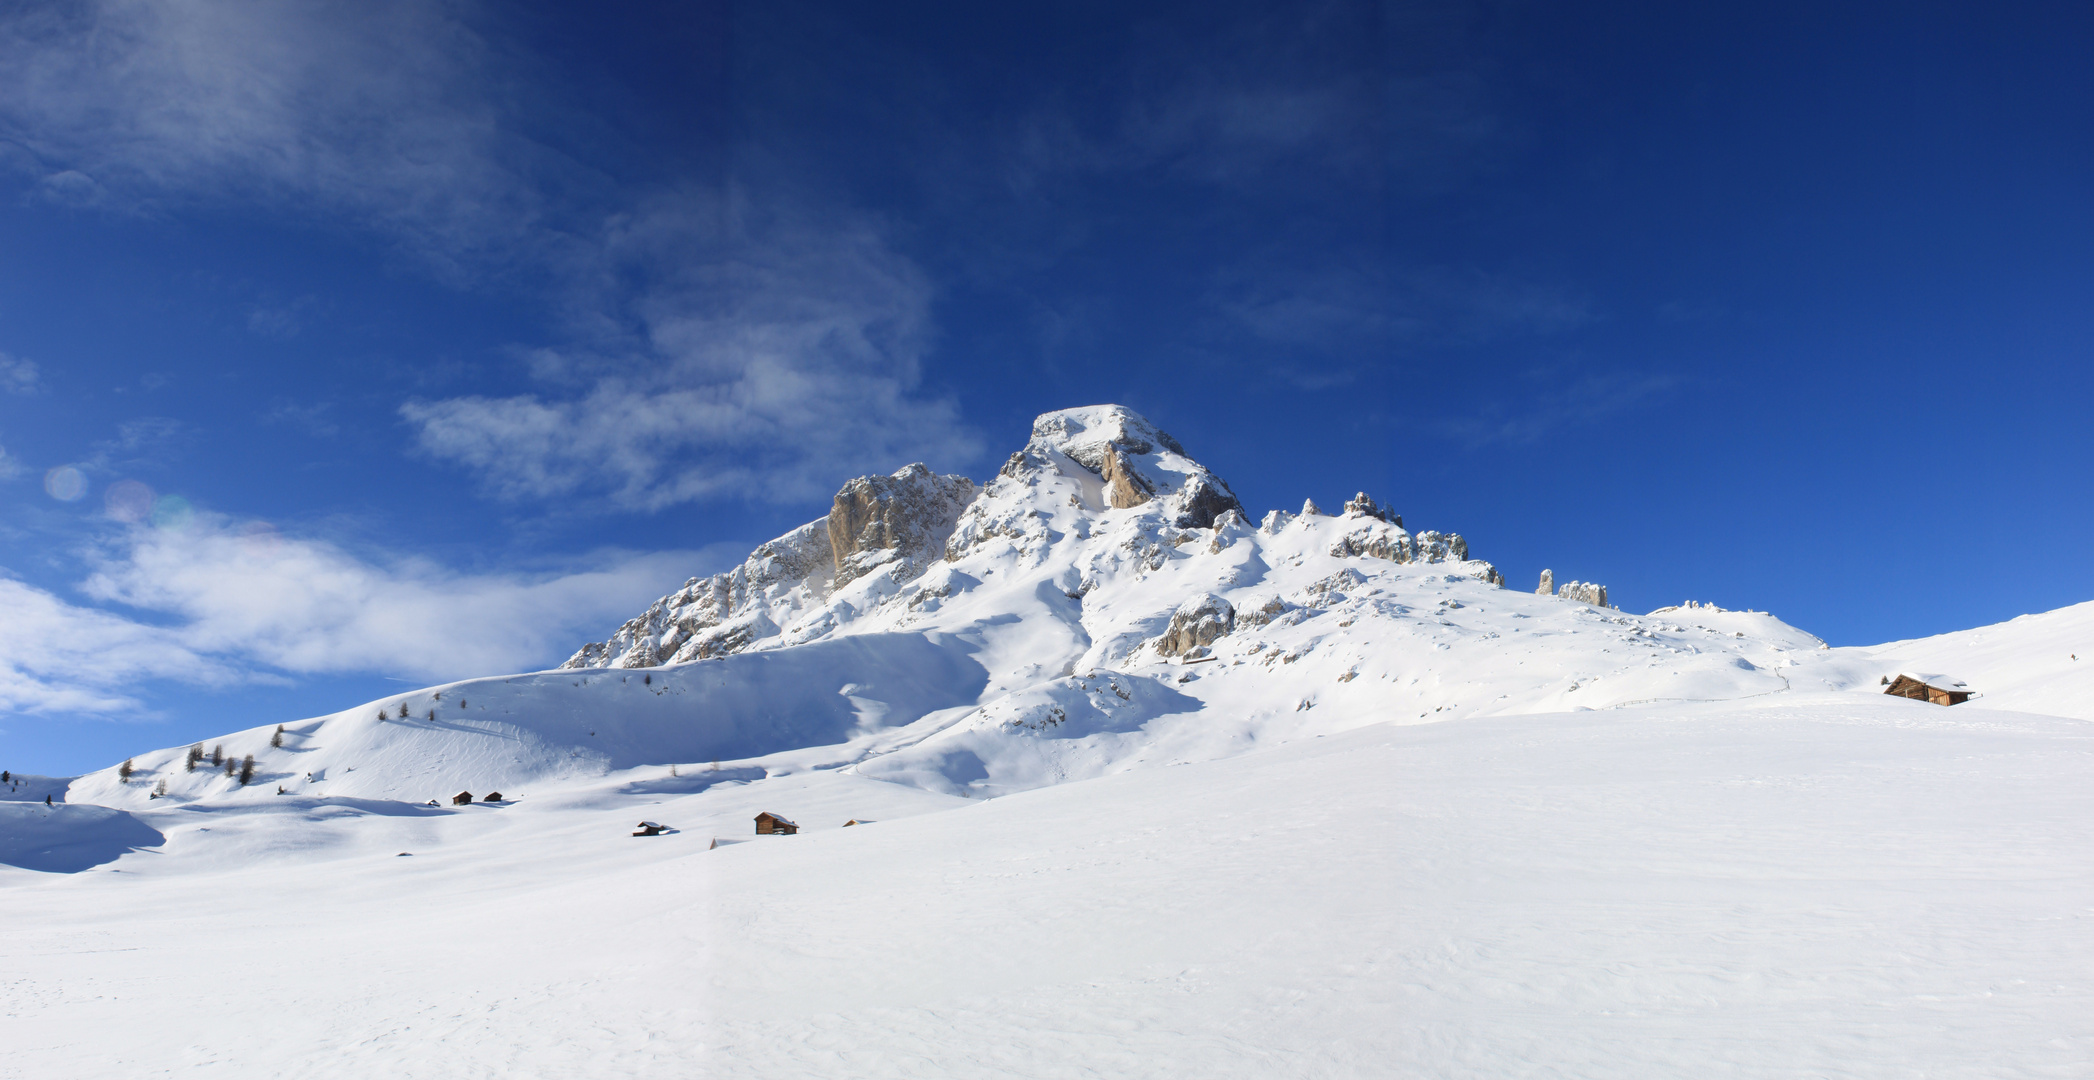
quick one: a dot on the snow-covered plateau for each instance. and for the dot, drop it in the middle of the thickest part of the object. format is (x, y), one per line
(1097, 776)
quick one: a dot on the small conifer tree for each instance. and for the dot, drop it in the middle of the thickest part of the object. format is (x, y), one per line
(231, 766)
(218, 754)
(196, 754)
(277, 739)
(247, 771)
(123, 771)
(6, 776)
(432, 712)
(161, 788)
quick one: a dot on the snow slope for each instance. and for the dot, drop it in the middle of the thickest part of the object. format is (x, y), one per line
(2027, 664)
(1836, 885)
(1149, 790)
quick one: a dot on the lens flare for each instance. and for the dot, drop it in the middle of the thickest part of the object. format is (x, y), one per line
(172, 512)
(128, 500)
(65, 483)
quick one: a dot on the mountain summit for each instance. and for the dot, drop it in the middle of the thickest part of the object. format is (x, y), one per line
(893, 528)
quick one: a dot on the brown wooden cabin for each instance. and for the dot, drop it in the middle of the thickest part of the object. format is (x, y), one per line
(1939, 689)
(650, 828)
(856, 821)
(462, 798)
(493, 796)
(769, 824)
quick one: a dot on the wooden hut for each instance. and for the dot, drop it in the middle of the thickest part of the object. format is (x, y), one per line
(1922, 686)
(769, 824)
(650, 828)
(493, 796)
(462, 798)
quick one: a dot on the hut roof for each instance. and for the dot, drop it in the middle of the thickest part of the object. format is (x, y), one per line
(650, 825)
(780, 818)
(1936, 680)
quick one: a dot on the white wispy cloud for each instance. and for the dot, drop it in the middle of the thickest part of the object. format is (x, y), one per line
(260, 599)
(384, 110)
(776, 354)
(218, 604)
(57, 656)
(724, 343)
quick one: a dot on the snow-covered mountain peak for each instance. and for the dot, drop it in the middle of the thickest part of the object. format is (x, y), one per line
(1133, 461)
(1068, 430)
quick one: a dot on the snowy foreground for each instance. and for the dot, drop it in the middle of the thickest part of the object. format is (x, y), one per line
(1143, 790)
(1829, 887)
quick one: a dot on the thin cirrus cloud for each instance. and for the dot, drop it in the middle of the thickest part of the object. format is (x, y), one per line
(724, 346)
(219, 605)
(785, 358)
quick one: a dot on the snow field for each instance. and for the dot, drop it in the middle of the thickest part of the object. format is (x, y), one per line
(1834, 886)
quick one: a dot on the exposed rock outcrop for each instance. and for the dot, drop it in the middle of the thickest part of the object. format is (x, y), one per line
(900, 521)
(726, 612)
(1261, 614)
(1363, 505)
(1197, 623)
(1441, 547)
(1584, 592)
(903, 519)
(1376, 539)
(1548, 584)
(1124, 486)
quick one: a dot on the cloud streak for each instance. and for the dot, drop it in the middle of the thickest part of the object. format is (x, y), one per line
(212, 604)
(782, 361)
(722, 344)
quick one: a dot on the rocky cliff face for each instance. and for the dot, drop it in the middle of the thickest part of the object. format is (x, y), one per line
(900, 521)
(726, 612)
(892, 526)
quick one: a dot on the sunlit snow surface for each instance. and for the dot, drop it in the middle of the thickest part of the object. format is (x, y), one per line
(1402, 823)
(1832, 886)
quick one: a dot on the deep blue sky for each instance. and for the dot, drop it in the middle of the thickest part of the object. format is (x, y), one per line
(446, 335)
